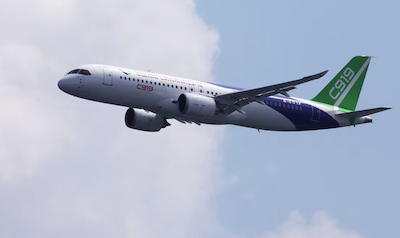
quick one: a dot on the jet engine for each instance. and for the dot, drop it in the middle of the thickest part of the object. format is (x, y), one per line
(196, 105)
(140, 119)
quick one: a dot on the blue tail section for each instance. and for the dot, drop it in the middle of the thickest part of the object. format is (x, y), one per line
(303, 116)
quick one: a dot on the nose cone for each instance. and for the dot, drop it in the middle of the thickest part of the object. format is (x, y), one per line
(68, 85)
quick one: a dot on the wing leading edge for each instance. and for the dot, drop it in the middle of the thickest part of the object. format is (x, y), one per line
(231, 102)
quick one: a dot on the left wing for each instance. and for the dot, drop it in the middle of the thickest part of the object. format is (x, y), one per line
(231, 102)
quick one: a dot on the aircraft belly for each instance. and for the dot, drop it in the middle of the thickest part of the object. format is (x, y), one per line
(264, 117)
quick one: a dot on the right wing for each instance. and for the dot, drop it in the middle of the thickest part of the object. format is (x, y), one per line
(231, 102)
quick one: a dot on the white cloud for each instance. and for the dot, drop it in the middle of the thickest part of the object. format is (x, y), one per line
(320, 226)
(39, 47)
(31, 121)
(69, 167)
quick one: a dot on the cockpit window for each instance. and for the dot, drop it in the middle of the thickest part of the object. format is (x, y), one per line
(80, 71)
(84, 72)
(75, 71)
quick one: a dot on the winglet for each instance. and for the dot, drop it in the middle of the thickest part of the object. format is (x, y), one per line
(316, 76)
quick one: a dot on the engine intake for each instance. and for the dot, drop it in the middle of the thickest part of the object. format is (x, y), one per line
(196, 105)
(140, 119)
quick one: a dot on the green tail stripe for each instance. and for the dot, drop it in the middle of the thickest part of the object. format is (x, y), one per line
(344, 89)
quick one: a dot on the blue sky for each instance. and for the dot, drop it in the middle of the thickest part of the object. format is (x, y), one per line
(350, 173)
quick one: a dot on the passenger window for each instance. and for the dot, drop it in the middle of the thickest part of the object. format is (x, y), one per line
(181, 87)
(208, 92)
(159, 84)
(191, 89)
(266, 102)
(185, 88)
(163, 84)
(297, 108)
(176, 86)
(201, 91)
(301, 108)
(129, 79)
(279, 104)
(151, 82)
(167, 85)
(142, 81)
(125, 78)
(120, 77)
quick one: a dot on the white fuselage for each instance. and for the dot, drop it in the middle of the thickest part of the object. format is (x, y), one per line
(158, 93)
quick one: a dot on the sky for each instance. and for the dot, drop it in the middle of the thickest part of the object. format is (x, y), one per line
(70, 167)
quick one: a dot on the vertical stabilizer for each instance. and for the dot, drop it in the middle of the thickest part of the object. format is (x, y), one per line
(344, 89)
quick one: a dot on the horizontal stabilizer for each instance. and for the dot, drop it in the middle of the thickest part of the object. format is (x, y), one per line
(362, 113)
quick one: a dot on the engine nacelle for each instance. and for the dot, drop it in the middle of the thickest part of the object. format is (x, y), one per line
(192, 104)
(140, 119)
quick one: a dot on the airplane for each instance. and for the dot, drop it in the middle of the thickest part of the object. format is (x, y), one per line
(152, 99)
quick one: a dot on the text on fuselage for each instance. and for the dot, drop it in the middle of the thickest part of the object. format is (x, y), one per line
(291, 102)
(144, 87)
